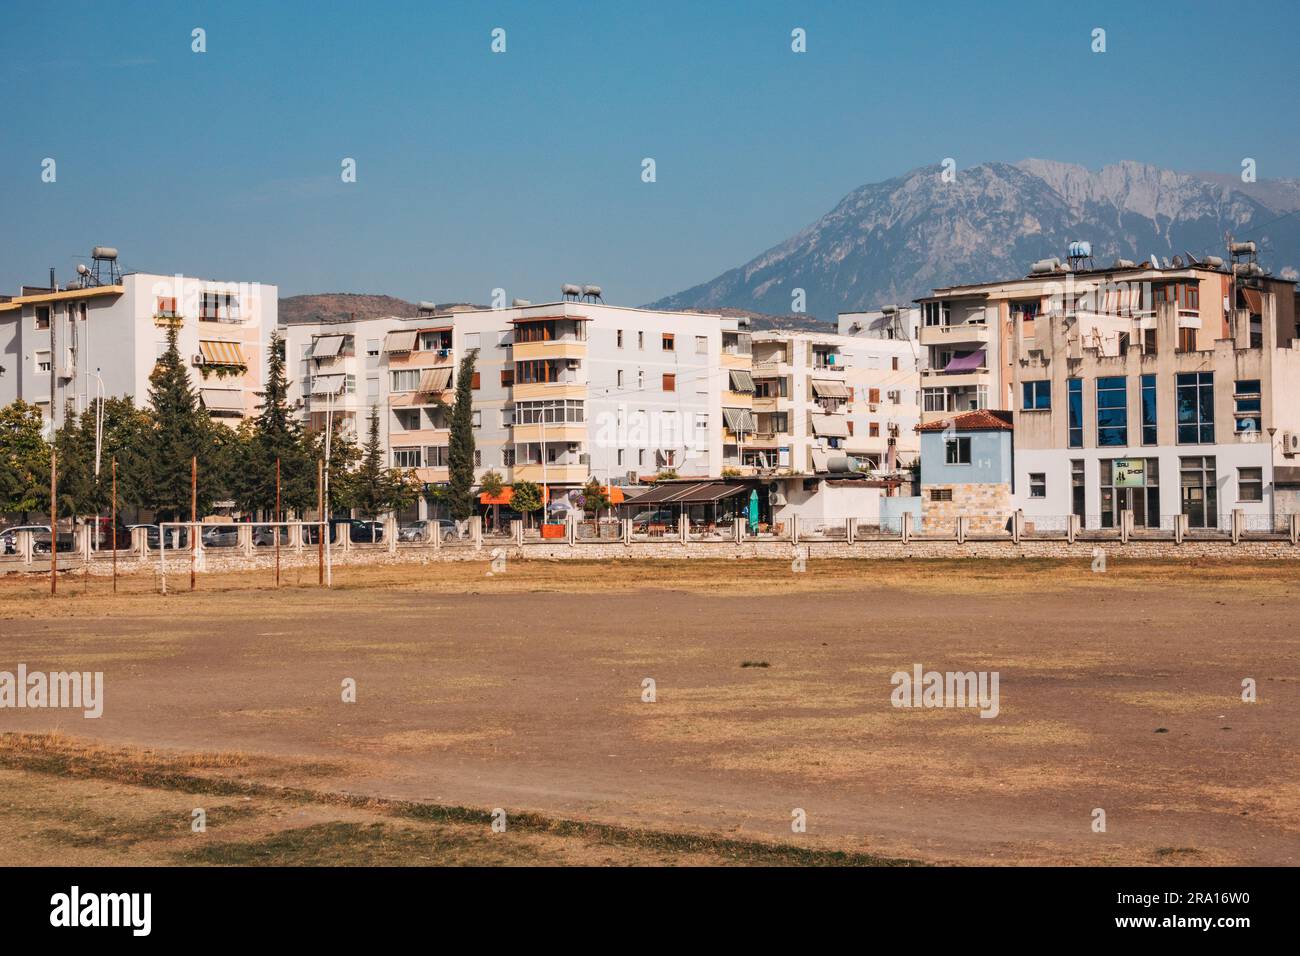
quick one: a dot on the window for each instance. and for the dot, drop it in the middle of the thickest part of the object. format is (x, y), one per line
(1037, 395)
(474, 381)
(1075, 403)
(618, 338)
(404, 380)
(1037, 484)
(507, 377)
(957, 451)
(941, 494)
(372, 347)
(1186, 340)
(1129, 484)
(507, 416)
(406, 457)
(670, 342)
(894, 362)
(873, 430)
(552, 454)
(504, 340)
(640, 378)
(471, 340)
(1250, 484)
(43, 360)
(42, 317)
(219, 307)
(507, 457)
(478, 457)
(165, 307)
(701, 345)
(1112, 411)
(1246, 398)
(873, 396)
(556, 411)
(436, 456)
(935, 313)
(620, 458)
(476, 417)
(934, 399)
(372, 388)
(670, 382)
(1148, 409)
(1196, 408)
(640, 340)
(1077, 490)
(640, 456)
(618, 378)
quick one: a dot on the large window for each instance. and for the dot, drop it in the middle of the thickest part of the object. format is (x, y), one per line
(406, 457)
(1075, 401)
(1130, 484)
(1200, 499)
(957, 451)
(1078, 490)
(1196, 408)
(1037, 395)
(1148, 409)
(1112, 411)
(404, 380)
(935, 313)
(935, 399)
(1250, 484)
(1037, 484)
(1246, 398)
(553, 412)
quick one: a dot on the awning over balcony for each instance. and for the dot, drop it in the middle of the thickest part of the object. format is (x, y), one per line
(826, 389)
(739, 420)
(966, 361)
(327, 346)
(830, 426)
(221, 353)
(435, 379)
(222, 399)
(401, 341)
(741, 381)
(327, 384)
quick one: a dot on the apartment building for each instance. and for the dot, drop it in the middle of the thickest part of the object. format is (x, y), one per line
(72, 345)
(563, 391)
(823, 398)
(1157, 391)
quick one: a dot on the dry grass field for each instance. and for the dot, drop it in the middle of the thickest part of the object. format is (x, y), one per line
(523, 691)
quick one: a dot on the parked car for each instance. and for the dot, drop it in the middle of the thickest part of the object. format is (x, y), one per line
(9, 536)
(365, 532)
(227, 536)
(176, 537)
(416, 530)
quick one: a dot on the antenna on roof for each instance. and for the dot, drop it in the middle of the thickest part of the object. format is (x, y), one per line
(99, 256)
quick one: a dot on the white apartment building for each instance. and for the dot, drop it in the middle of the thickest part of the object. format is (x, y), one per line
(107, 338)
(822, 398)
(563, 391)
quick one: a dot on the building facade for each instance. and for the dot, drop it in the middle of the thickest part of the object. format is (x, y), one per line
(966, 471)
(822, 398)
(107, 338)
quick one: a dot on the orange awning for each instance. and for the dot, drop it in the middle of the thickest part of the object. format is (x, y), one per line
(506, 496)
(221, 353)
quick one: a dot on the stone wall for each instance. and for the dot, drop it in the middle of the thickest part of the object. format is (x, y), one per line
(985, 505)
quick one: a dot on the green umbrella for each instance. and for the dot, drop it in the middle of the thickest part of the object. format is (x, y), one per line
(753, 511)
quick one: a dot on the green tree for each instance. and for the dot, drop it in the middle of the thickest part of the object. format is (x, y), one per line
(493, 485)
(24, 460)
(276, 434)
(180, 429)
(376, 488)
(460, 451)
(595, 498)
(526, 497)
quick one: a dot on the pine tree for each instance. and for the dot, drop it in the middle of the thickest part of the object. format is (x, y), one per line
(375, 488)
(460, 451)
(24, 460)
(276, 433)
(180, 430)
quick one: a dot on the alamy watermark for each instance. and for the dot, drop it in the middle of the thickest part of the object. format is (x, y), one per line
(922, 688)
(80, 690)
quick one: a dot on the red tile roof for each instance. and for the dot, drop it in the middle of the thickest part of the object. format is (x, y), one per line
(980, 420)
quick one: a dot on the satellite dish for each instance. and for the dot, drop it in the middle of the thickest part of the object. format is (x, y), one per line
(1177, 262)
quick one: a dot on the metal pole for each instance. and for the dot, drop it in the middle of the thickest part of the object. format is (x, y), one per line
(112, 521)
(194, 515)
(54, 516)
(277, 521)
(320, 528)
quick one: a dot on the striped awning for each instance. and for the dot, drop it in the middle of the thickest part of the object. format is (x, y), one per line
(741, 381)
(739, 419)
(327, 384)
(823, 388)
(327, 346)
(402, 341)
(435, 380)
(221, 353)
(222, 399)
(830, 426)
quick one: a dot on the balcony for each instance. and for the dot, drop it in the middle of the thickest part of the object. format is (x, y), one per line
(561, 348)
(937, 378)
(555, 473)
(553, 432)
(955, 335)
(530, 391)
(424, 358)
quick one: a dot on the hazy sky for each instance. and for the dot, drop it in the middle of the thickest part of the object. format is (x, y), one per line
(521, 170)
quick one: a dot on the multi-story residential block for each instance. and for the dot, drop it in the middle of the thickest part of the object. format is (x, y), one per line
(107, 338)
(563, 392)
(1157, 391)
(822, 397)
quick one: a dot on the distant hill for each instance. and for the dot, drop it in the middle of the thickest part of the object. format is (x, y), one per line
(763, 320)
(892, 241)
(347, 306)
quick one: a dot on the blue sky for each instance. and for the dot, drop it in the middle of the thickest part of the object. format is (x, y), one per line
(522, 170)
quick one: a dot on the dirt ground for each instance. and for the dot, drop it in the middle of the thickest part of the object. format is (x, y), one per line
(1119, 691)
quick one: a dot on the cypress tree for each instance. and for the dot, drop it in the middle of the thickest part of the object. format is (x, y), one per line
(460, 451)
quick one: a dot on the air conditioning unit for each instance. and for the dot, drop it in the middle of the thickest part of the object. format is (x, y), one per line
(1291, 443)
(198, 360)
(777, 498)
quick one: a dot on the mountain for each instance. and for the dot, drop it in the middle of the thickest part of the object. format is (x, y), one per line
(345, 306)
(892, 241)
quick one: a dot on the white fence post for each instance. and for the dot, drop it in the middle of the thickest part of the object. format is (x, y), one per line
(684, 526)
(794, 529)
(1180, 528)
(961, 529)
(850, 529)
(905, 527)
(1295, 528)
(1238, 523)
(1071, 527)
